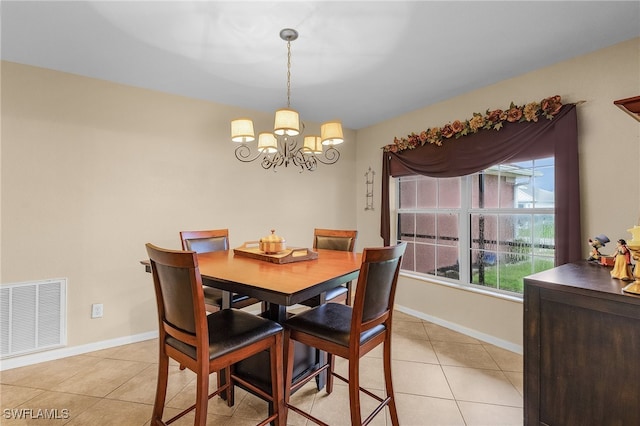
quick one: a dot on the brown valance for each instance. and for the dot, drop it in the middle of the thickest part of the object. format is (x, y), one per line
(514, 142)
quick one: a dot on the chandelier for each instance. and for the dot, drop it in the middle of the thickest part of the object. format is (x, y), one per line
(281, 147)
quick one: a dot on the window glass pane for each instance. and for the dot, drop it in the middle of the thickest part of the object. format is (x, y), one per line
(485, 190)
(448, 262)
(515, 184)
(484, 231)
(514, 237)
(427, 192)
(408, 261)
(407, 193)
(511, 272)
(448, 229)
(507, 188)
(484, 255)
(406, 226)
(544, 188)
(535, 185)
(426, 227)
(544, 235)
(425, 258)
(484, 268)
(449, 193)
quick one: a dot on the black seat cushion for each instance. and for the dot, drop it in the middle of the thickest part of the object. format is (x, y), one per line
(229, 330)
(331, 322)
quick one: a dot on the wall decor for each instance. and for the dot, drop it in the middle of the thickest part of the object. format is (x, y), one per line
(368, 181)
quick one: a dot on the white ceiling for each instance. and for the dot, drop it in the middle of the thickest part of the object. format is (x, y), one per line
(359, 61)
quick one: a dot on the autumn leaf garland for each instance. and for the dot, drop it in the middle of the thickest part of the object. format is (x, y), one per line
(491, 120)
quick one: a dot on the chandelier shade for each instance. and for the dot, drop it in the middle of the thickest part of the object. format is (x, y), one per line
(313, 144)
(331, 133)
(287, 122)
(280, 147)
(267, 143)
(242, 130)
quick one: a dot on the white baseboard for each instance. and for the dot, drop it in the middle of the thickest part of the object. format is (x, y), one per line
(21, 361)
(510, 346)
(35, 358)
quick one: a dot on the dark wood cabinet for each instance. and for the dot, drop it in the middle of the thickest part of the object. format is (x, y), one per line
(581, 348)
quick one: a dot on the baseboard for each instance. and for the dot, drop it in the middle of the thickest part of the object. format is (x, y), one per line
(510, 346)
(21, 361)
(35, 358)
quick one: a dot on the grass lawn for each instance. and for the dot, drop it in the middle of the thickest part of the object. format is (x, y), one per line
(511, 274)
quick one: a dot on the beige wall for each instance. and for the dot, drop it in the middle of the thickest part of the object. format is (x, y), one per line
(91, 171)
(609, 145)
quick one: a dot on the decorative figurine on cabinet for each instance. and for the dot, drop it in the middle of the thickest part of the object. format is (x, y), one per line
(622, 266)
(596, 244)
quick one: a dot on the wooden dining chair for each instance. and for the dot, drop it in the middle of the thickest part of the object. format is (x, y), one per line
(208, 241)
(207, 343)
(334, 239)
(351, 332)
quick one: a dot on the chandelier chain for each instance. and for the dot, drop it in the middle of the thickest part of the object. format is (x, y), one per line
(288, 74)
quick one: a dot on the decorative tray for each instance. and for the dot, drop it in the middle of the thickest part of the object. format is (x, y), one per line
(251, 249)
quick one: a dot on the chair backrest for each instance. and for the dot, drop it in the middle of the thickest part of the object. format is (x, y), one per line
(334, 239)
(205, 241)
(179, 294)
(376, 288)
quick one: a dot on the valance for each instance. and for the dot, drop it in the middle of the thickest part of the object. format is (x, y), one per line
(491, 120)
(516, 141)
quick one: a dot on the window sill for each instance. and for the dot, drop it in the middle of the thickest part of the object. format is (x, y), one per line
(473, 289)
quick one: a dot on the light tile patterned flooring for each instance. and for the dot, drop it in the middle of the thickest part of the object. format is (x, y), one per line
(441, 378)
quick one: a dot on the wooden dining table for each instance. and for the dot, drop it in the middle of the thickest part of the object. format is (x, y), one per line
(281, 286)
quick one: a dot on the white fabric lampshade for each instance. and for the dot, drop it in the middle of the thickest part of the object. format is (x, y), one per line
(331, 133)
(313, 143)
(267, 143)
(242, 130)
(287, 122)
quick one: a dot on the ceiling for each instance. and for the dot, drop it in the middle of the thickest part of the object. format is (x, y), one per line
(361, 62)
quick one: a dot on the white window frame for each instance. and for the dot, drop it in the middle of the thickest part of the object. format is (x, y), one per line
(464, 225)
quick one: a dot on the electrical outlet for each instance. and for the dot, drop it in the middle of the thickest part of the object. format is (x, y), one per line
(96, 310)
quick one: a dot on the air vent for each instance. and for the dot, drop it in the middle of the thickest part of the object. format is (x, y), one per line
(32, 317)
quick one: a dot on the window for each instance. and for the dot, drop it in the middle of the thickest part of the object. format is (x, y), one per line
(488, 229)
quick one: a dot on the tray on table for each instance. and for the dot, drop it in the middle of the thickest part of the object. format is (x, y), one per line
(251, 249)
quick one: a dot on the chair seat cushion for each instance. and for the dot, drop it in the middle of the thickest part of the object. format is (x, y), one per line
(229, 330)
(331, 322)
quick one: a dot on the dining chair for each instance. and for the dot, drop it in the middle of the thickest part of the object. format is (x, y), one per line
(208, 241)
(334, 239)
(207, 343)
(350, 332)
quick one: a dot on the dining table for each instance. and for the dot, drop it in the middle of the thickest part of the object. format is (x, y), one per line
(280, 285)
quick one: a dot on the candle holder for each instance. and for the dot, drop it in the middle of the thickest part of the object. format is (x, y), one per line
(634, 247)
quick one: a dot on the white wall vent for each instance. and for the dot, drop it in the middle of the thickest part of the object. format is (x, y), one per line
(32, 316)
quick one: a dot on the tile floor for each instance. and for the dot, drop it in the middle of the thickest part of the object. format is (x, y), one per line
(441, 378)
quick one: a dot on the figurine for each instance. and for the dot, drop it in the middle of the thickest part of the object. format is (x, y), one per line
(622, 266)
(596, 243)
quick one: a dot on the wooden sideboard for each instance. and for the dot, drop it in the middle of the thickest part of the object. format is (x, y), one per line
(581, 348)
